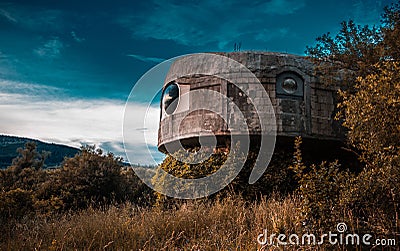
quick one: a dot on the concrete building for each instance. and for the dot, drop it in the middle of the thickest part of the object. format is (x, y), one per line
(303, 105)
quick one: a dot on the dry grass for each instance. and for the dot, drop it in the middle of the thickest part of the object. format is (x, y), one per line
(230, 224)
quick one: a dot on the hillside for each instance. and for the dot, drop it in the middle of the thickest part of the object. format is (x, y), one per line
(10, 144)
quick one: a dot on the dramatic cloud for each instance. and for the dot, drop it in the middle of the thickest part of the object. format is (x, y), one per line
(214, 22)
(74, 122)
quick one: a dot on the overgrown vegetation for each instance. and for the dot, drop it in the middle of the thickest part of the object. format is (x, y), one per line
(91, 178)
(278, 178)
(228, 224)
(367, 62)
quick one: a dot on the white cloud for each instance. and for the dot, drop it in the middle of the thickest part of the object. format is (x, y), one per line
(7, 64)
(34, 91)
(33, 18)
(76, 38)
(50, 49)
(146, 59)
(5, 14)
(2, 55)
(74, 122)
(281, 7)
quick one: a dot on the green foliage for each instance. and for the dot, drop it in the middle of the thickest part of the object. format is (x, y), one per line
(352, 52)
(29, 157)
(19, 180)
(370, 105)
(320, 189)
(364, 63)
(391, 32)
(15, 203)
(91, 178)
(277, 178)
(172, 165)
(371, 115)
(331, 194)
(369, 194)
(349, 54)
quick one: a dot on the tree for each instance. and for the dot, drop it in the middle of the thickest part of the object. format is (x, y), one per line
(363, 60)
(349, 54)
(277, 177)
(371, 115)
(90, 176)
(29, 157)
(18, 182)
(26, 169)
(391, 32)
(364, 63)
(352, 52)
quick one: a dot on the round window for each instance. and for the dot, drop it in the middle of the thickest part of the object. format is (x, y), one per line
(289, 85)
(170, 98)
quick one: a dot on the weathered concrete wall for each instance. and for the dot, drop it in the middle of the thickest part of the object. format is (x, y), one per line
(308, 111)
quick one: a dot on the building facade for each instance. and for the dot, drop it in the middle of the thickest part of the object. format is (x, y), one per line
(303, 106)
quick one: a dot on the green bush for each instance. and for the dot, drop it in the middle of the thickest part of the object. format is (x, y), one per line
(319, 188)
(331, 194)
(91, 178)
(15, 204)
(277, 177)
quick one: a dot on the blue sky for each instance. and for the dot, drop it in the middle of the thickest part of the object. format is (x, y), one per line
(67, 67)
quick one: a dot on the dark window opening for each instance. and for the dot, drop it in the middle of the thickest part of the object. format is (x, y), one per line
(289, 85)
(170, 98)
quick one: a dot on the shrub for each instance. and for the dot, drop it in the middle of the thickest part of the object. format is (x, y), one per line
(320, 188)
(277, 177)
(90, 178)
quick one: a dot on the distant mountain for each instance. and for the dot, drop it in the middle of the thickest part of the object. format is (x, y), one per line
(10, 144)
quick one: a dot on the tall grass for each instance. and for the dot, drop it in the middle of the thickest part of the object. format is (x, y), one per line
(227, 224)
